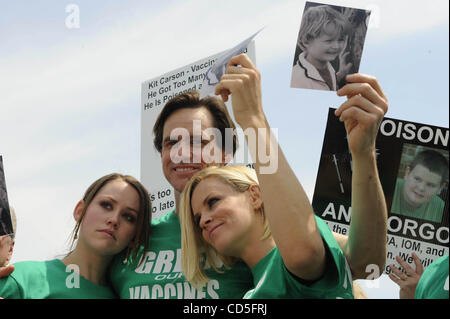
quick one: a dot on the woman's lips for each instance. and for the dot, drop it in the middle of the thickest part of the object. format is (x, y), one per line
(108, 232)
(213, 229)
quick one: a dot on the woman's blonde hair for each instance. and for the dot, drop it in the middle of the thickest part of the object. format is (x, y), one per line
(193, 247)
(140, 240)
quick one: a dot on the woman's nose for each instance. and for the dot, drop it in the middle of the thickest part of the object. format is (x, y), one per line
(113, 220)
(205, 220)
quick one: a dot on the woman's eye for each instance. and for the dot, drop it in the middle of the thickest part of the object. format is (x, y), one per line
(212, 201)
(129, 217)
(106, 204)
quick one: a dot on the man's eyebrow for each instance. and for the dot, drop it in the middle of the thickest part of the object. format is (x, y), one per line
(167, 139)
(192, 138)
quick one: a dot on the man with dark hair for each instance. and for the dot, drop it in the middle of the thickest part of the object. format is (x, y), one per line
(180, 113)
(184, 112)
(215, 106)
(416, 195)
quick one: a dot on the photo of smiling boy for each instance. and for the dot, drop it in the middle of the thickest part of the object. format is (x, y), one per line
(417, 193)
(328, 38)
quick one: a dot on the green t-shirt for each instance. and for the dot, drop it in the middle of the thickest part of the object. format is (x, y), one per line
(433, 284)
(273, 280)
(431, 211)
(159, 275)
(49, 280)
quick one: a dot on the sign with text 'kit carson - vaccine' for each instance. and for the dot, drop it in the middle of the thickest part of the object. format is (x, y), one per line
(5, 215)
(412, 160)
(154, 95)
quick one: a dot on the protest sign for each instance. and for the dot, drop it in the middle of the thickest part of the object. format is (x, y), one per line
(154, 95)
(416, 191)
(329, 46)
(5, 215)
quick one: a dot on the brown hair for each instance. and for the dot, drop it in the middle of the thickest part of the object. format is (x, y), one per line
(434, 161)
(143, 218)
(191, 99)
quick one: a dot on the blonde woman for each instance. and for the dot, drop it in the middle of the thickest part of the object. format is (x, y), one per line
(301, 258)
(223, 213)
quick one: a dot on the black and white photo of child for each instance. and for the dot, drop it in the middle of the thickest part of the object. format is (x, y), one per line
(5, 218)
(329, 46)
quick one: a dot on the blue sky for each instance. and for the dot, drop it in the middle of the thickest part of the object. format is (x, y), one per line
(70, 98)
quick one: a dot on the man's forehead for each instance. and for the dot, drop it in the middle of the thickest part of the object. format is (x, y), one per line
(188, 119)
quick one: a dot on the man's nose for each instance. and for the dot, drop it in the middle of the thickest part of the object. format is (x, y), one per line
(184, 152)
(192, 152)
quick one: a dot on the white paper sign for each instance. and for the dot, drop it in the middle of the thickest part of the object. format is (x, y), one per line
(154, 95)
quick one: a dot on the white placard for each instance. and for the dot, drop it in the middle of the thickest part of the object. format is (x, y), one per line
(154, 95)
